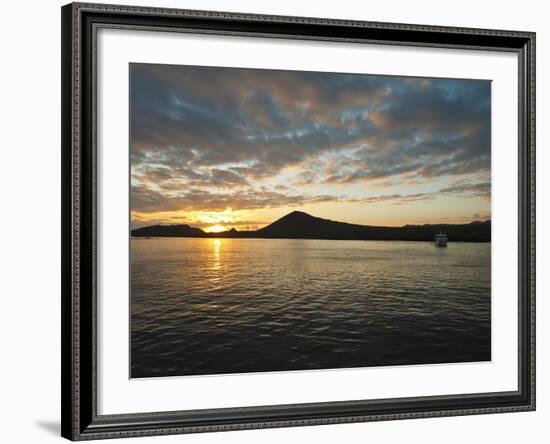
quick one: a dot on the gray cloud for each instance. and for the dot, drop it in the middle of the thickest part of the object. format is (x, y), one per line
(147, 200)
(470, 189)
(462, 189)
(203, 130)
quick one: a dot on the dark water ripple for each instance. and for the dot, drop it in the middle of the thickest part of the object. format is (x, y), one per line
(206, 306)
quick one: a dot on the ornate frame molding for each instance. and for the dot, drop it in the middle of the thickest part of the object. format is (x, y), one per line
(80, 22)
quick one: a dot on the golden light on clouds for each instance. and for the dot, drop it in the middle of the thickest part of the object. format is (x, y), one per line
(209, 221)
(212, 217)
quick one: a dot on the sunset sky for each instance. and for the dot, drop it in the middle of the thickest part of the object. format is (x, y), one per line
(221, 148)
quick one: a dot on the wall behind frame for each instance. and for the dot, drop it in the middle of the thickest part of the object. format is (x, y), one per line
(30, 222)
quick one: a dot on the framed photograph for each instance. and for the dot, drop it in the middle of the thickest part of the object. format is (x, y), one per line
(281, 221)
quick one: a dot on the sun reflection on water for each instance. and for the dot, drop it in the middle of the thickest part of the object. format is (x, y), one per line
(216, 247)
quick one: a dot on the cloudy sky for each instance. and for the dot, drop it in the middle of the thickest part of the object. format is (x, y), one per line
(222, 148)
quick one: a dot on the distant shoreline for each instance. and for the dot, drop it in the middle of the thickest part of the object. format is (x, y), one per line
(298, 238)
(299, 225)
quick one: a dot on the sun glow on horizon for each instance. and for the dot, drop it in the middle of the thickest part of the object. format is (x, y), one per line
(216, 228)
(213, 221)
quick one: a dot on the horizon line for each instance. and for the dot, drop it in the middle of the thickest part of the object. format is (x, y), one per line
(474, 221)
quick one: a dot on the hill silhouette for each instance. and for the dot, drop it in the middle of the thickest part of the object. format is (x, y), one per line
(168, 231)
(300, 225)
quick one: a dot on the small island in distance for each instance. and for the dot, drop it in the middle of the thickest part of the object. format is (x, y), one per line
(300, 225)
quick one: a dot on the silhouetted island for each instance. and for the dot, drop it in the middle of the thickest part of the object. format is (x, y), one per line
(300, 225)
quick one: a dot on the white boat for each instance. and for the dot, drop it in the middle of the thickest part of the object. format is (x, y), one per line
(440, 240)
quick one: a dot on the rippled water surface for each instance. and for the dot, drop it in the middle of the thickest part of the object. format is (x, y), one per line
(206, 306)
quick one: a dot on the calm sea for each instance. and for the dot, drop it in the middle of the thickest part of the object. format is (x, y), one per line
(207, 306)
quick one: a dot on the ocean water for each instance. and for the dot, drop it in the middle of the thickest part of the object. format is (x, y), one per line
(214, 306)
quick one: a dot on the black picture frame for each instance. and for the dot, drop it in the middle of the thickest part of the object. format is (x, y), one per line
(80, 22)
